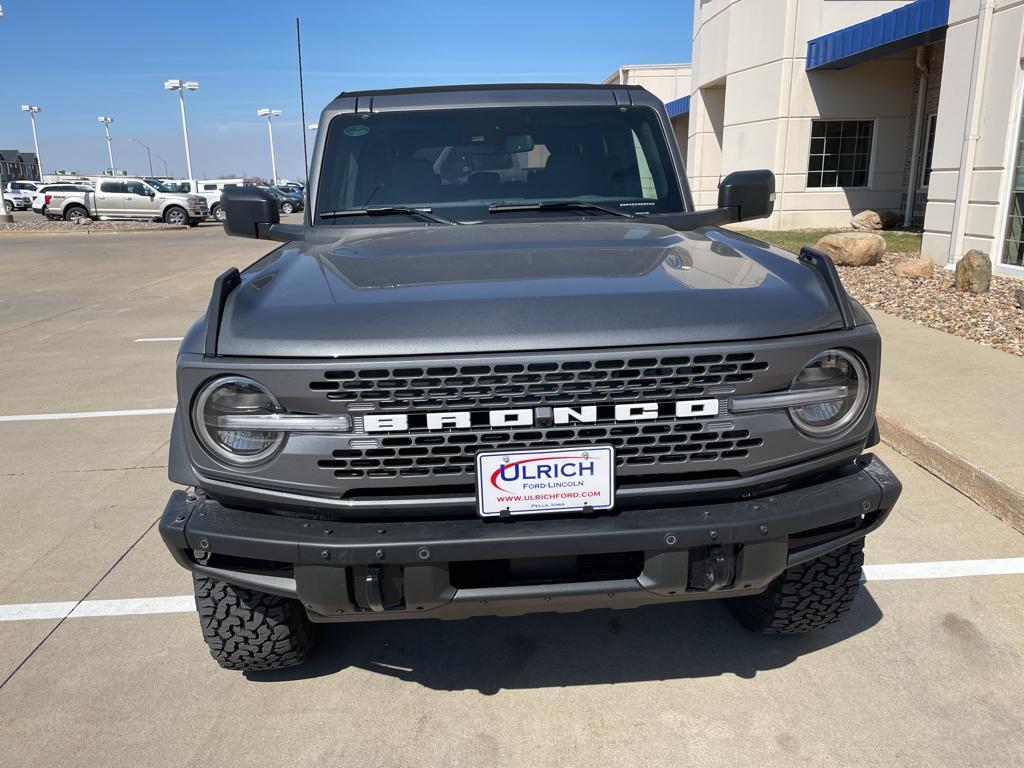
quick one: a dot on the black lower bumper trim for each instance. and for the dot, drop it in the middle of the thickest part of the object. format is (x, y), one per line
(326, 565)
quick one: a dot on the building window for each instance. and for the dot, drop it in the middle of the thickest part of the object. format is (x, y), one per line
(1013, 249)
(929, 150)
(840, 153)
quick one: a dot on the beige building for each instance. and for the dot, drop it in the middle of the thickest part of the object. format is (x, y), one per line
(669, 82)
(910, 106)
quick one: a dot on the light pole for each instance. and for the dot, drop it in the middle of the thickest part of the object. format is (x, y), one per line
(32, 112)
(150, 156)
(164, 162)
(181, 86)
(106, 129)
(270, 114)
(5, 217)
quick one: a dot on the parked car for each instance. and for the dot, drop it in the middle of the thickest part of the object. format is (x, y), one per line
(128, 198)
(588, 395)
(41, 198)
(17, 200)
(287, 202)
(293, 186)
(211, 189)
(24, 185)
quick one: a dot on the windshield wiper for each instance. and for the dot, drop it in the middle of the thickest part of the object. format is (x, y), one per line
(389, 210)
(555, 205)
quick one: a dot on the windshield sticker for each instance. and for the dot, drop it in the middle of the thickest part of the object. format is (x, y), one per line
(357, 130)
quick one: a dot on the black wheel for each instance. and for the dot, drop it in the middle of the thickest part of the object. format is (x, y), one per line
(251, 631)
(218, 213)
(176, 215)
(75, 212)
(806, 597)
(287, 207)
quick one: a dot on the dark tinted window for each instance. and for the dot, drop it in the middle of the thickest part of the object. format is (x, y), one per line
(136, 188)
(112, 186)
(208, 187)
(840, 153)
(457, 162)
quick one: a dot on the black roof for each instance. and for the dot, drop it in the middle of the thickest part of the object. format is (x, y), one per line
(489, 87)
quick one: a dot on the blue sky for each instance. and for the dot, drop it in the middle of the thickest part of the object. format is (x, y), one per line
(106, 57)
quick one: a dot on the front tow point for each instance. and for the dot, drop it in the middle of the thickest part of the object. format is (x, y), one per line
(713, 572)
(374, 589)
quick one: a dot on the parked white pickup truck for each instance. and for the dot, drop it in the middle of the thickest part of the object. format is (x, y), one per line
(128, 198)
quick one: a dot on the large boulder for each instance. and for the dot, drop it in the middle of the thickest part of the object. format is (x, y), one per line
(872, 221)
(973, 273)
(853, 249)
(915, 269)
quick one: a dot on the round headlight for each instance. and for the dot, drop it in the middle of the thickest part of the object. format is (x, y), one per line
(212, 415)
(832, 368)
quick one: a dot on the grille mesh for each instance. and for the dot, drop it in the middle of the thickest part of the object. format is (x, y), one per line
(605, 380)
(453, 453)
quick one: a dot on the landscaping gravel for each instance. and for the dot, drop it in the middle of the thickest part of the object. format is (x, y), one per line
(97, 226)
(992, 319)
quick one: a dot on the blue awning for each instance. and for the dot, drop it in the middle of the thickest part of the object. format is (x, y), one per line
(678, 107)
(917, 23)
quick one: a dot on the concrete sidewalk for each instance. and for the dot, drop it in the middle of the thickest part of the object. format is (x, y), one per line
(956, 408)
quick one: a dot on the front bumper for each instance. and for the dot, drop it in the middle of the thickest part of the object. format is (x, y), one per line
(351, 571)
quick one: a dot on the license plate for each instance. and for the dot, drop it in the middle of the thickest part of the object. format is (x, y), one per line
(545, 481)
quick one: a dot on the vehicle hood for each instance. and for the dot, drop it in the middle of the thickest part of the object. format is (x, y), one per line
(520, 286)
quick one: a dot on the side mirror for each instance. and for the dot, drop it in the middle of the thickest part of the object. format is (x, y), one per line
(248, 210)
(748, 194)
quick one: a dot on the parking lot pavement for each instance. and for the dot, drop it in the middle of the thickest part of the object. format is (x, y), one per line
(925, 671)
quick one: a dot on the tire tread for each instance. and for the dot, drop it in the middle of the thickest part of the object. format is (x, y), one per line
(806, 597)
(251, 631)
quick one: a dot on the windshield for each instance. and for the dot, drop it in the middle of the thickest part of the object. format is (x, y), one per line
(461, 162)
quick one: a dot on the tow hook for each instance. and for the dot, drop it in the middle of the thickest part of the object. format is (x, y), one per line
(374, 589)
(713, 572)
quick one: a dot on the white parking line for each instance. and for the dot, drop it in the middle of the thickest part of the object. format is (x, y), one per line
(86, 414)
(944, 569)
(130, 606)
(162, 338)
(186, 603)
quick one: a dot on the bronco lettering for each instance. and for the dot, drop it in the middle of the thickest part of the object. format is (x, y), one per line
(528, 417)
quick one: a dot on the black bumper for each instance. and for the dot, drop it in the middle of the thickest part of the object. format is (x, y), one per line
(350, 571)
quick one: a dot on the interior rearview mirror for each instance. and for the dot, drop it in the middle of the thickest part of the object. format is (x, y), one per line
(748, 194)
(247, 210)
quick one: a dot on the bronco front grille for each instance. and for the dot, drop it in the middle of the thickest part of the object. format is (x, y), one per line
(447, 454)
(612, 379)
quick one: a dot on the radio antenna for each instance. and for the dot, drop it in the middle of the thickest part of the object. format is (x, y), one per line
(302, 102)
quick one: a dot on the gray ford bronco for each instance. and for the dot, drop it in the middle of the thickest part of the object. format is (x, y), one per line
(505, 367)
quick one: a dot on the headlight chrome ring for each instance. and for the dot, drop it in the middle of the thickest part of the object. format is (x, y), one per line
(831, 368)
(235, 395)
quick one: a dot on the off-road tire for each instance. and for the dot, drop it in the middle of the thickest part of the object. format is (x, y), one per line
(175, 214)
(806, 597)
(75, 212)
(251, 631)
